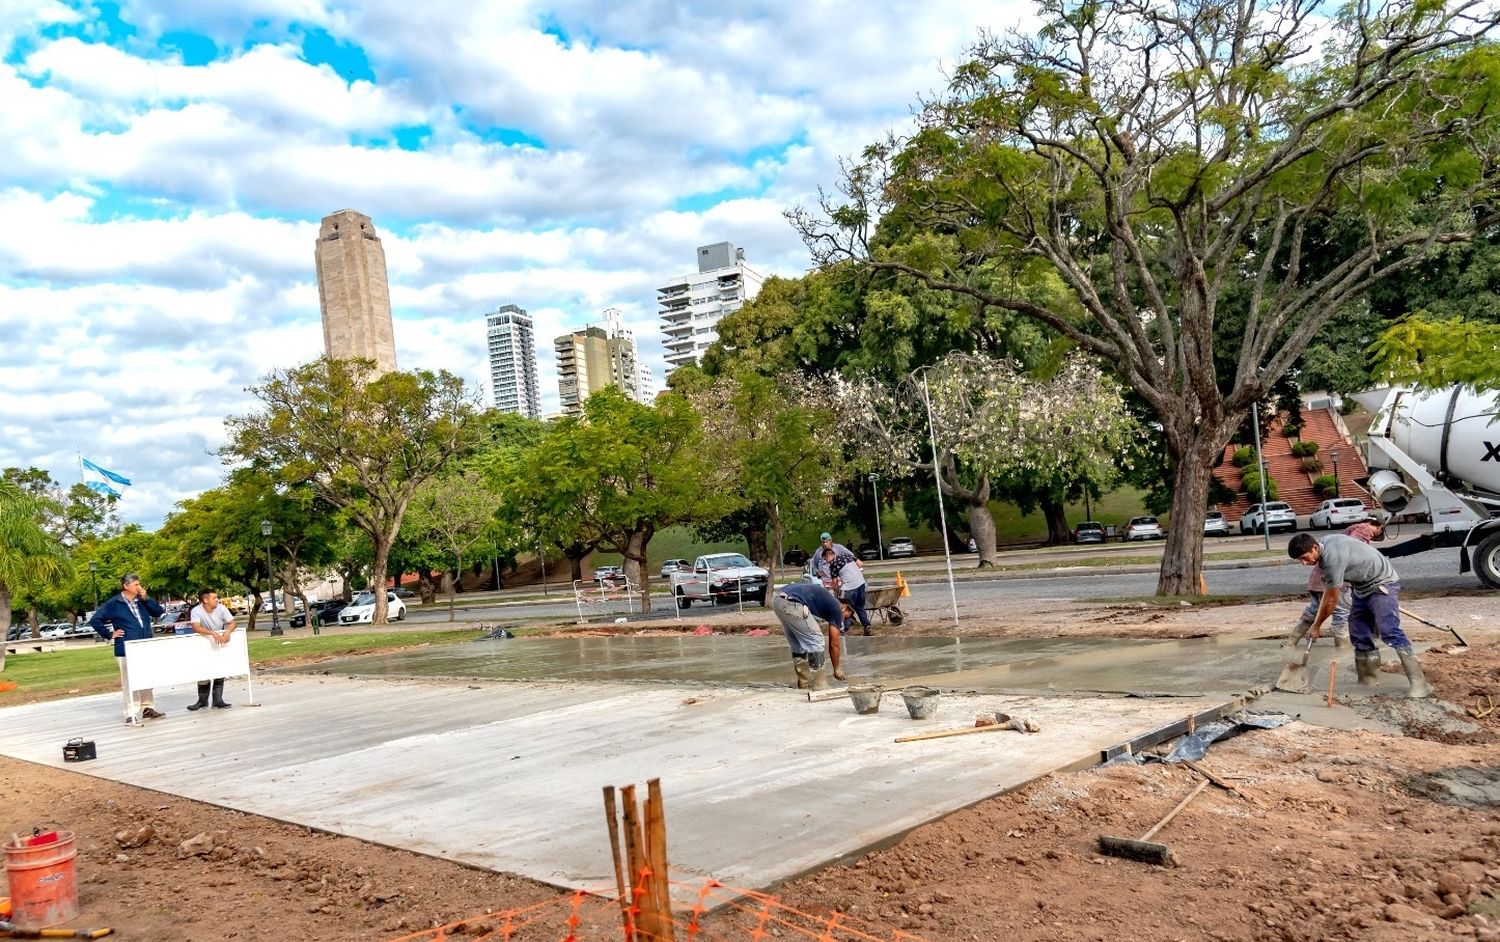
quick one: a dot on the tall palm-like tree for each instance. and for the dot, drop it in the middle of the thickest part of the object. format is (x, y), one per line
(28, 553)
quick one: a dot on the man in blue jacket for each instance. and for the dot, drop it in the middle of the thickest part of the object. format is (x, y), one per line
(128, 617)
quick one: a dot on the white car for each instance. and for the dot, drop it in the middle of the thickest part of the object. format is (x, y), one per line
(1214, 524)
(54, 631)
(899, 547)
(1277, 515)
(1338, 512)
(362, 610)
(721, 578)
(673, 565)
(1144, 528)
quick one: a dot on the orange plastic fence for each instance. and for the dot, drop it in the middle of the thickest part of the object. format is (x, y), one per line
(718, 913)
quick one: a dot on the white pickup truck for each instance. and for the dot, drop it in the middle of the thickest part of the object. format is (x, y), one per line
(720, 578)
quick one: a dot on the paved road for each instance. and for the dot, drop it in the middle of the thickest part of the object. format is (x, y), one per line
(1434, 571)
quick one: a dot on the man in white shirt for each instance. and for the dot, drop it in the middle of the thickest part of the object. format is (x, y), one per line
(215, 622)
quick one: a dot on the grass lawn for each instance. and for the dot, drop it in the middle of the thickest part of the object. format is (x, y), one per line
(92, 669)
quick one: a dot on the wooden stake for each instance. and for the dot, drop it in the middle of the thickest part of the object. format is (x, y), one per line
(635, 851)
(961, 731)
(656, 844)
(1333, 667)
(612, 819)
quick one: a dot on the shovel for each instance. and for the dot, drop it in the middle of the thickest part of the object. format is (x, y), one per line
(1294, 677)
(1145, 849)
(1420, 620)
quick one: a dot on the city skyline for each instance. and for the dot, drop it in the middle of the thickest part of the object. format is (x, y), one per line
(164, 167)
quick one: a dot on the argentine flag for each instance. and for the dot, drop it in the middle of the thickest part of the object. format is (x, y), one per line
(101, 480)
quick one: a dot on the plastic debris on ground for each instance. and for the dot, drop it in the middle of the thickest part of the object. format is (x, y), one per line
(1194, 745)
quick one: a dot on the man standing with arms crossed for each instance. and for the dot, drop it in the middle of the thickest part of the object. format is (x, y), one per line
(128, 617)
(214, 622)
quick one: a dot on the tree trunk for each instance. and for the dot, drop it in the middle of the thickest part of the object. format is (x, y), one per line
(575, 554)
(977, 502)
(1057, 522)
(378, 578)
(1182, 558)
(254, 609)
(755, 539)
(634, 551)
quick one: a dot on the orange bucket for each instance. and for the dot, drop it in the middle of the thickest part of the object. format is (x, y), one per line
(43, 884)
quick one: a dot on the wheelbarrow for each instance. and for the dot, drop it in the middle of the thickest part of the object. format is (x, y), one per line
(885, 602)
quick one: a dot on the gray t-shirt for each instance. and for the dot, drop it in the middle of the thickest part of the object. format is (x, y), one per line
(1344, 559)
(214, 620)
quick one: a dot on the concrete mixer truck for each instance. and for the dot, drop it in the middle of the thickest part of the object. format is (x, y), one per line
(1435, 455)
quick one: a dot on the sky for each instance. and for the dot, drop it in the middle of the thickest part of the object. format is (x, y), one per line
(164, 166)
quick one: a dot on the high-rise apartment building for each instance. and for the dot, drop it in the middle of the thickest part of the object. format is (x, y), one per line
(600, 355)
(512, 346)
(692, 306)
(352, 290)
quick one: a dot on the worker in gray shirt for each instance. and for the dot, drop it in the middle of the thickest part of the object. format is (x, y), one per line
(1375, 608)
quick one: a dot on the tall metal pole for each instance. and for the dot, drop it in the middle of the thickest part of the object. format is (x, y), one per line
(875, 493)
(1336, 472)
(542, 558)
(937, 476)
(265, 531)
(1260, 464)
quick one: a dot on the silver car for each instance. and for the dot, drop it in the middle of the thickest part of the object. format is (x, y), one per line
(1214, 524)
(1276, 515)
(1144, 528)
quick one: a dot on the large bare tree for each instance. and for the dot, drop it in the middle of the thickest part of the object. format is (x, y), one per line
(1169, 166)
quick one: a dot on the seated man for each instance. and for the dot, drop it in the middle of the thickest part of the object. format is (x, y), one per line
(799, 607)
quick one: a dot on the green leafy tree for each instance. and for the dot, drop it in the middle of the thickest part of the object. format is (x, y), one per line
(29, 554)
(1436, 353)
(363, 442)
(455, 512)
(1162, 160)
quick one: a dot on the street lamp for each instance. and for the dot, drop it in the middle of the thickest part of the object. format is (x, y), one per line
(94, 575)
(265, 531)
(1334, 454)
(879, 540)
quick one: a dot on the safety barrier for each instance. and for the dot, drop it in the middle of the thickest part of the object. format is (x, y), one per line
(596, 598)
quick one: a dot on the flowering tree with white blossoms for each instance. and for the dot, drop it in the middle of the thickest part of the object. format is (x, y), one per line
(990, 419)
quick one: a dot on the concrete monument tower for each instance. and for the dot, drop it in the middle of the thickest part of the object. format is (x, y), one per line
(352, 291)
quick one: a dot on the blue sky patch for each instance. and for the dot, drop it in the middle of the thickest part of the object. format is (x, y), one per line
(192, 48)
(319, 47)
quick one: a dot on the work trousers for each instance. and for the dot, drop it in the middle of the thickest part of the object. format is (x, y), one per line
(802, 631)
(856, 599)
(1377, 614)
(1339, 620)
(142, 698)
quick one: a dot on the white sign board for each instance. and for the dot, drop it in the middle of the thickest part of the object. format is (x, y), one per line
(184, 659)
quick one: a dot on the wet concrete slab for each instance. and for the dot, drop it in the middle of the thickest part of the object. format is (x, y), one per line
(507, 775)
(987, 665)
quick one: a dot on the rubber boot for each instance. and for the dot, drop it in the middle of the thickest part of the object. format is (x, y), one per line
(203, 687)
(1341, 643)
(1417, 683)
(1299, 632)
(804, 673)
(818, 664)
(219, 703)
(1367, 668)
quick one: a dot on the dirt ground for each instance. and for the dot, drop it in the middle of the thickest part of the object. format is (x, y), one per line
(1329, 835)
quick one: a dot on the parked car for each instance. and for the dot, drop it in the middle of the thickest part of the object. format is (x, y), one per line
(402, 592)
(1277, 515)
(610, 574)
(868, 551)
(81, 630)
(721, 577)
(1338, 512)
(55, 631)
(361, 611)
(1144, 528)
(1090, 531)
(671, 566)
(20, 632)
(1214, 524)
(899, 547)
(795, 557)
(170, 622)
(328, 613)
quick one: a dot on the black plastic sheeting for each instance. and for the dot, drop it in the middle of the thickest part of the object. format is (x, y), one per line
(1195, 744)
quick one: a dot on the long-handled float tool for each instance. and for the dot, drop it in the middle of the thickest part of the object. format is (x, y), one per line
(1294, 677)
(1145, 849)
(1419, 619)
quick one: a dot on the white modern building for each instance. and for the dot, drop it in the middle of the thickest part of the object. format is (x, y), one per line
(512, 345)
(625, 367)
(691, 306)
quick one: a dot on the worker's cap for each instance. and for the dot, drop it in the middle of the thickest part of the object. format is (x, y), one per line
(825, 536)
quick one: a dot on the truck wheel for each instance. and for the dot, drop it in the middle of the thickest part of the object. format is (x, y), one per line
(1487, 561)
(682, 600)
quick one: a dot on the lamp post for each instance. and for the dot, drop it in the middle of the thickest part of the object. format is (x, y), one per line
(94, 575)
(1334, 454)
(265, 531)
(875, 493)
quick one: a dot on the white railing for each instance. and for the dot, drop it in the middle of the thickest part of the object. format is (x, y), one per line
(602, 597)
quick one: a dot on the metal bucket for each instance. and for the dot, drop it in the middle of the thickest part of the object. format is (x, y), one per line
(866, 698)
(921, 702)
